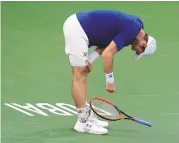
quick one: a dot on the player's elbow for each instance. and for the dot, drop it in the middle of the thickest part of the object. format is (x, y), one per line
(109, 51)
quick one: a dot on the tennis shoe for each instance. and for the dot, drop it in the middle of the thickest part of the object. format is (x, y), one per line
(90, 128)
(97, 122)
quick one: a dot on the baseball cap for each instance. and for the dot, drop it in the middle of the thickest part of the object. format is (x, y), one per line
(150, 49)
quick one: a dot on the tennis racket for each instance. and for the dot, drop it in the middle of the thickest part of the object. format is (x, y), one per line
(108, 111)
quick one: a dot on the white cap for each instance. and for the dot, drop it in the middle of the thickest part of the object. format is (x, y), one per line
(150, 49)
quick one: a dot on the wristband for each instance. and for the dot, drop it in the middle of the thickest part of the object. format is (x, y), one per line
(109, 78)
(93, 56)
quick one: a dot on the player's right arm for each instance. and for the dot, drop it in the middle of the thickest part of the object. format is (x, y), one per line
(107, 59)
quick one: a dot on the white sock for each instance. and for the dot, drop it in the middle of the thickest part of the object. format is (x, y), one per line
(83, 114)
(92, 114)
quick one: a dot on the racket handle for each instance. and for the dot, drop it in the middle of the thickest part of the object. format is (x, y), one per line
(142, 122)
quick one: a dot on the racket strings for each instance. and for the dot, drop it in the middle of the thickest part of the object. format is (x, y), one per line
(105, 109)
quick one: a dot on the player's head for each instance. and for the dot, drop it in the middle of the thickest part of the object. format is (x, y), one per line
(144, 45)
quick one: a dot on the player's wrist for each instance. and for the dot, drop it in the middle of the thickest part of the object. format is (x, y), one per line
(93, 56)
(109, 78)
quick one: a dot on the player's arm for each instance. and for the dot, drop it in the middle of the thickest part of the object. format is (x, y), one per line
(95, 55)
(107, 59)
(119, 41)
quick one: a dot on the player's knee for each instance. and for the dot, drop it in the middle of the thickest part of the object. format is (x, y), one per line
(80, 73)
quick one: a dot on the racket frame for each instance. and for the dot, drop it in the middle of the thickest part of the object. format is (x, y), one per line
(119, 111)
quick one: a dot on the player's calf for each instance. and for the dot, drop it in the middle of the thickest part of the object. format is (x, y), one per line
(79, 92)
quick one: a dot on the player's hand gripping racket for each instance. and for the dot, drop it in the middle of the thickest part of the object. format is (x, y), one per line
(107, 110)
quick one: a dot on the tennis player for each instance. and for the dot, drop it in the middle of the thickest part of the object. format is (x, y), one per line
(110, 31)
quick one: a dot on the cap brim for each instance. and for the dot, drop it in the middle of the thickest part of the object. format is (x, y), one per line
(140, 56)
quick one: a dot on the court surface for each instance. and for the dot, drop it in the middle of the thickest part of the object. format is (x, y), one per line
(36, 75)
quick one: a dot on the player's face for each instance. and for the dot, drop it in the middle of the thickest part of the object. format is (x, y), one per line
(138, 46)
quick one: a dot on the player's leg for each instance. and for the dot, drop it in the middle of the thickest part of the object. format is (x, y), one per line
(77, 50)
(79, 88)
(79, 83)
(79, 94)
(77, 74)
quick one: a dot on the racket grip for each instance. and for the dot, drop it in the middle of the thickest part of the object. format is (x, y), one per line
(142, 122)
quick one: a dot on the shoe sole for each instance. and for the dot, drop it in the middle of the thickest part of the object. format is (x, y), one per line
(82, 131)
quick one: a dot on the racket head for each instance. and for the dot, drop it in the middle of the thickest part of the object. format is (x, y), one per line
(105, 109)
